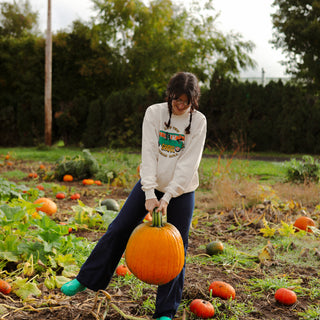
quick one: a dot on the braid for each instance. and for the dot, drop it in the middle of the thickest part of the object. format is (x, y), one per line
(187, 130)
(167, 124)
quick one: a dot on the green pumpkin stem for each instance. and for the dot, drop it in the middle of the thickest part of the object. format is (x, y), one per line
(156, 219)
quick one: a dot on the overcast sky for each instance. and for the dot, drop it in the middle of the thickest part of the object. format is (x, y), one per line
(251, 18)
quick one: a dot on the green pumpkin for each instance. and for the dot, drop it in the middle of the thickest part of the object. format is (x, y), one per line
(214, 247)
(111, 204)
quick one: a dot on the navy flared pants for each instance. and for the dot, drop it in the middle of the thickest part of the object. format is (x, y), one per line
(100, 266)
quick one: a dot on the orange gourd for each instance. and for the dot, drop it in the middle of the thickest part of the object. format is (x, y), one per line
(88, 181)
(148, 217)
(222, 289)
(155, 251)
(48, 206)
(60, 195)
(202, 308)
(285, 296)
(5, 287)
(75, 196)
(303, 223)
(33, 175)
(67, 178)
(122, 270)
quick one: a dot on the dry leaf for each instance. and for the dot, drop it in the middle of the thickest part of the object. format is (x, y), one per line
(267, 253)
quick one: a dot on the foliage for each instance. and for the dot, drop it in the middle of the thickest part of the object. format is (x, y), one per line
(17, 19)
(80, 166)
(8, 190)
(303, 171)
(297, 23)
(261, 118)
(49, 250)
(149, 34)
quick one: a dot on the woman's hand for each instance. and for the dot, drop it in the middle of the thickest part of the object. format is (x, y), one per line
(163, 206)
(151, 204)
(154, 203)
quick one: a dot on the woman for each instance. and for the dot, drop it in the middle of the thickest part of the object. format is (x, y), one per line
(173, 136)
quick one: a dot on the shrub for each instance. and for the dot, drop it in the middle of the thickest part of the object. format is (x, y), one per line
(303, 171)
(81, 166)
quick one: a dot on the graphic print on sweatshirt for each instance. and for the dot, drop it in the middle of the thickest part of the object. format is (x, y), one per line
(170, 144)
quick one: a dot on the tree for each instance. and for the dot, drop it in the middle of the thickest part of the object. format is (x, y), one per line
(17, 19)
(162, 38)
(297, 27)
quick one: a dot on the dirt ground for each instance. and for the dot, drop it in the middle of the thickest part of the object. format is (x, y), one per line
(88, 305)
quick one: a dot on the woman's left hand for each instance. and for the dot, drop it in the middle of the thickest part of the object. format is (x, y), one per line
(163, 206)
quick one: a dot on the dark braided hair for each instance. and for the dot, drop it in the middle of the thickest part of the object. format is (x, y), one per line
(183, 83)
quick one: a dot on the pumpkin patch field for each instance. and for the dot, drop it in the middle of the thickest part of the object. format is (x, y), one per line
(254, 243)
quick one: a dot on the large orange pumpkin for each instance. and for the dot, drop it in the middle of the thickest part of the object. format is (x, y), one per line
(155, 251)
(48, 206)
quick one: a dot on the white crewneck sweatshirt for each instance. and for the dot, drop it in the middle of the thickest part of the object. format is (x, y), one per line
(170, 157)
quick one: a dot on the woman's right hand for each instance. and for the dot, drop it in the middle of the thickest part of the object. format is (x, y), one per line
(151, 204)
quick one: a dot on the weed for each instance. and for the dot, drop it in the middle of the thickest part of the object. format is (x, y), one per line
(232, 309)
(311, 313)
(272, 283)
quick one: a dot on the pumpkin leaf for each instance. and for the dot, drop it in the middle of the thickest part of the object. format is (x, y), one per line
(24, 288)
(60, 281)
(50, 283)
(70, 271)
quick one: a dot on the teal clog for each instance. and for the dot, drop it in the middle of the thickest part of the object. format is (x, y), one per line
(72, 287)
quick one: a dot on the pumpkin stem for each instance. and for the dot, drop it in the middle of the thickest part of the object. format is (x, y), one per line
(156, 219)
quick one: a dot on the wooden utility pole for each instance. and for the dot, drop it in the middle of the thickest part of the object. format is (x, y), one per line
(48, 82)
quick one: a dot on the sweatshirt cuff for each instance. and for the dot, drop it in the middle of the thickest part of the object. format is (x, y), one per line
(167, 197)
(150, 194)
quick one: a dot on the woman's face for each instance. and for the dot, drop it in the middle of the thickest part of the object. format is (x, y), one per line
(180, 105)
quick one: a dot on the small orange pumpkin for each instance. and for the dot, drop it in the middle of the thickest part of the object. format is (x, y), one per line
(33, 175)
(40, 187)
(5, 287)
(88, 181)
(148, 217)
(202, 309)
(155, 251)
(48, 206)
(60, 195)
(285, 296)
(75, 196)
(122, 270)
(67, 178)
(303, 223)
(222, 289)
(98, 182)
